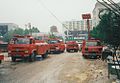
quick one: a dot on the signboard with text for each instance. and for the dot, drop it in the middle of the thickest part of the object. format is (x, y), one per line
(86, 16)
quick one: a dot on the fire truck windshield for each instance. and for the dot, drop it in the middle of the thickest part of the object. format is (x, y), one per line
(92, 43)
(52, 41)
(22, 41)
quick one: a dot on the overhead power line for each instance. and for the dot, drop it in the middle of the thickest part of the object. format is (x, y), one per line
(53, 14)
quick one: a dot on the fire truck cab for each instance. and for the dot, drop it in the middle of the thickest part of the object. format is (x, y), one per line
(91, 48)
(56, 45)
(72, 46)
(26, 47)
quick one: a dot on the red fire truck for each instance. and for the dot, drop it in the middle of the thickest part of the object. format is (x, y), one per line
(72, 46)
(92, 48)
(26, 47)
(1, 57)
(56, 45)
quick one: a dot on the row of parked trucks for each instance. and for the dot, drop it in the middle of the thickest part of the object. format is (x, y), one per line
(27, 48)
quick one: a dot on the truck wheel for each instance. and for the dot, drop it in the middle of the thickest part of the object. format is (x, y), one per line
(75, 50)
(62, 51)
(24, 59)
(45, 55)
(58, 52)
(85, 57)
(32, 57)
(68, 50)
(0, 61)
(13, 59)
(49, 52)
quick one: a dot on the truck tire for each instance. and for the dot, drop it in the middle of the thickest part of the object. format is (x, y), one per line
(45, 55)
(0, 61)
(13, 59)
(62, 51)
(58, 52)
(25, 59)
(68, 50)
(85, 57)
(32, 57)
(49, 52)
(75, 50)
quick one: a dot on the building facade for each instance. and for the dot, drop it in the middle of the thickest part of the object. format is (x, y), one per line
(53, 29)
(80, 25)
(5, 27)
(76, 30)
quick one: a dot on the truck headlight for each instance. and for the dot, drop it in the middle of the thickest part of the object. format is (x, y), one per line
(9, 51)
(26, 51)
(57, 47)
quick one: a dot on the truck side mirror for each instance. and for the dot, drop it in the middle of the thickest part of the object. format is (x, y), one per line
(31, 41)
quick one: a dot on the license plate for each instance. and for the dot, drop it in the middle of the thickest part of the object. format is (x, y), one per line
(52, 49)
(17, 55)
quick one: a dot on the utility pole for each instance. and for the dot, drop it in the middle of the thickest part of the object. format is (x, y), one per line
(29, 26)
(25, 26)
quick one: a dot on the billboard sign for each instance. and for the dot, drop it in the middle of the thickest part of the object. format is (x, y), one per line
(86, 16)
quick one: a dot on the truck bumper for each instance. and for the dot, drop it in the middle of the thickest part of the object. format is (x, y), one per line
(92, 55)
(18, 56)
(72, 49)
(54, 50)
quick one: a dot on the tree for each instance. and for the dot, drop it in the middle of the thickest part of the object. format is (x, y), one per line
(11, 33)
(52, 35)
(108, 29)
(19, 31)
(35, 30)
(0, 34)
(8, 36)
(26, 32)
(53, 29)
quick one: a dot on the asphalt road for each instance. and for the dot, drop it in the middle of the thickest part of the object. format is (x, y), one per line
(57, 68)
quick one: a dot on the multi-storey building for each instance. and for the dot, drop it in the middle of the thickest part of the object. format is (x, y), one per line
(76, 25)
(76, 29)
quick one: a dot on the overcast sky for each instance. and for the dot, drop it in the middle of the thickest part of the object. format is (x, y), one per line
(22, 12)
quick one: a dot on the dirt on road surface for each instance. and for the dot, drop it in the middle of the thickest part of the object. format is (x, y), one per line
(57, 68)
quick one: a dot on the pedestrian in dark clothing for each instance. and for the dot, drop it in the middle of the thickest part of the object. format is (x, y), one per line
(105, 54)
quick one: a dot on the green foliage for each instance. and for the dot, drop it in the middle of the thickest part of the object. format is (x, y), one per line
(108, 29)
(26, 32)
(52, 36)
(18, 31)
(8, 36)
(0, 34)
(35, 30)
